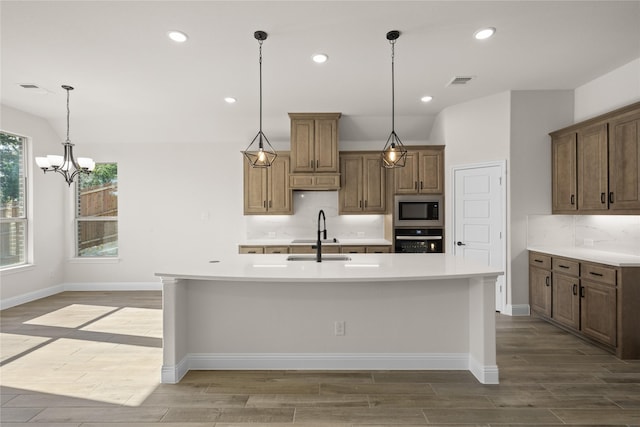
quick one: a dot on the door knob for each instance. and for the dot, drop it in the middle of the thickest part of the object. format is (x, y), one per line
(461, 244)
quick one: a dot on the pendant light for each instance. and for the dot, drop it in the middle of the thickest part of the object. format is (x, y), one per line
(394, 154)
(260, 153)
(66, 165)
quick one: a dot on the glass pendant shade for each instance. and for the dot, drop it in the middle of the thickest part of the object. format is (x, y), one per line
(66, 165)
(260, 153)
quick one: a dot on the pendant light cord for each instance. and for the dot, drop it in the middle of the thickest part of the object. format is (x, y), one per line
(260, 61)
(393, 90)
(68, 113)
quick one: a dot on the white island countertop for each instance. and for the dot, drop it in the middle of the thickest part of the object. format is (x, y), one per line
(360, 268)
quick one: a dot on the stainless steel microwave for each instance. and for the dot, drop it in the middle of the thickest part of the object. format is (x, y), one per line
(418, 211)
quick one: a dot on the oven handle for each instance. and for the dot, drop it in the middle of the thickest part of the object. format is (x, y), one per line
(421, 238)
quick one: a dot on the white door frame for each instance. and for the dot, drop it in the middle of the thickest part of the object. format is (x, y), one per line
(502, 164)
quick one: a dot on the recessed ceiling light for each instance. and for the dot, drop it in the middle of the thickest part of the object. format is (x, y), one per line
(484, 33)
(320, 58)
(426, 98)
(177, 36)
(230, 100)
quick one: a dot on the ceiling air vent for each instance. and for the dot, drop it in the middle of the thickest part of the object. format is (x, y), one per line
(460, 80)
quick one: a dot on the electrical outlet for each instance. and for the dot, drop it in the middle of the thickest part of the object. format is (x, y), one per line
(338, 328)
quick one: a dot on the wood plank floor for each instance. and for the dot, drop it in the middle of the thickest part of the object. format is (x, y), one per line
(92, 359)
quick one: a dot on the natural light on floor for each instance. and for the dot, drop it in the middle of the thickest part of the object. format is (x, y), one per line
(87, 353)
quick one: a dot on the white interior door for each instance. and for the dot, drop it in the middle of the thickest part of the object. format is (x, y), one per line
(479, 218)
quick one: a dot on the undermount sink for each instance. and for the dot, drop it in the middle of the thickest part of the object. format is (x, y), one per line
(314, 241)
(313, 258)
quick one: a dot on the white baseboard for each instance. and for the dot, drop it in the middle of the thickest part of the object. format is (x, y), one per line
(113, 286)
(328, 361)
(517, 310)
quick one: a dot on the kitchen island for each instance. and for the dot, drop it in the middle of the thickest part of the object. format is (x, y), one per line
(373, 311)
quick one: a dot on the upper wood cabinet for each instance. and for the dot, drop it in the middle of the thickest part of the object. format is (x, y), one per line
(423, 172)
(624, 163)
(363, 184)
(266, 190)
(596, 165)
(314, 148)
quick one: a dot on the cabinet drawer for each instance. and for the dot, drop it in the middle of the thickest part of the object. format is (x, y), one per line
(352, 249)
(539, 260)
(566, 266)
(379, 249)
(251, 249)
(599, 273)
(276, 249)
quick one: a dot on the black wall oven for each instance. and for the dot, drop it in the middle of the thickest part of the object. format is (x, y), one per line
(418, 211)
(418, 240)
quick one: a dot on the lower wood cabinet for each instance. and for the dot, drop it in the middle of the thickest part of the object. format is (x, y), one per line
(310, 249)
(598, 302)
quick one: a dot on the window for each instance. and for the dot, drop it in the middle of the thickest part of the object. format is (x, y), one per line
(97, 212)
(13, 196)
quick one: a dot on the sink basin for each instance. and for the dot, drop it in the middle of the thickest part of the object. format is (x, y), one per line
(313, 258)
(314, 241)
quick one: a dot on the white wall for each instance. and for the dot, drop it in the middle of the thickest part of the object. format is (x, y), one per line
(613, 90)
(48, 194)
(533, 115)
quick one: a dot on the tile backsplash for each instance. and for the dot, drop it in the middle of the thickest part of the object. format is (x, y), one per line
(304, 222)
(609, 233)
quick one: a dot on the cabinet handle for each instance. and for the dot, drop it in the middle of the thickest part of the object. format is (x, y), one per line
(415, 185)
(276, 252)
(563, 266)
(603, 198)
(611, 197)
(360, 204)
(575, 289)
(573, 199)
(595, 274)
(317, 164)
(264, 204)
(270, 203)
(252, 252)
(366, 203)
(311, 164)
(537, 260)
(581, 291)
(421, 185)
(547, 281)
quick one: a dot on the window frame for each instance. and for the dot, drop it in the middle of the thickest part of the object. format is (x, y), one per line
(77, 220)
(25, 219)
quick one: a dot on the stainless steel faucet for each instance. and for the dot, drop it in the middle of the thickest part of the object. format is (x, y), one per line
(319, 242)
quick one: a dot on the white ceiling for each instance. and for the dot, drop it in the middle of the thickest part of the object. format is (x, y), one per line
(135, 85)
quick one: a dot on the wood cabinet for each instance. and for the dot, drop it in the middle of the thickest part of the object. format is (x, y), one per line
(248, 249)
(363, 184)
(423, 172)
(314, 149)
(266, 190)
(540, 284)
(595, 301)
(596, 165)
(565, 306)
(310, 249)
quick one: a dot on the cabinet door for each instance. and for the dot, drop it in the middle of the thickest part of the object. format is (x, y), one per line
(351, 200)
(406, 178)
(598, 311)
(279, 191)
(431, 172)
(326, 145)
(624, 163)
(255, 190)
(374, 191)
(566, 300)
(593, 168)
(540, 291)
(563, 152)
(378, 249)
(302, 145)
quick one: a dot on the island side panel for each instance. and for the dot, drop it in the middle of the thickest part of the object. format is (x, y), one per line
(174, 330)
(482, 329)
(402, 325)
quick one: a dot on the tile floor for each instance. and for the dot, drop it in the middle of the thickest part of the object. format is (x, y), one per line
(92, 359)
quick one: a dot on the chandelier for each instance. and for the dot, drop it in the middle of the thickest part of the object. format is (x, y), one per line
(66, 165)
(260, 153)
(394, 154)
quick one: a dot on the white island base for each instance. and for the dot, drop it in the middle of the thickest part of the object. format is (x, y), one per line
(400, 312)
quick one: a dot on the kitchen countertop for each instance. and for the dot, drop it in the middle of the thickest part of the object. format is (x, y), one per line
(360, 268)
(587, 254)
(341, 242)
